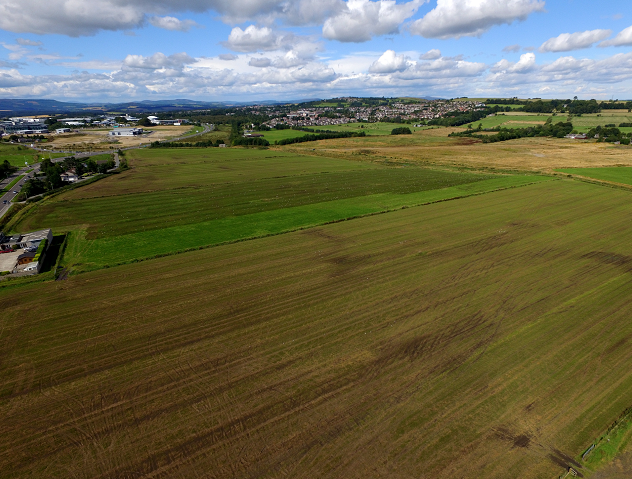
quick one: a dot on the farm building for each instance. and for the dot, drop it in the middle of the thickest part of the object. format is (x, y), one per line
(24, 253)
(127, 132)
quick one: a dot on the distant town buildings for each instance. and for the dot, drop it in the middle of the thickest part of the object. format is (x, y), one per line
(400, 111)
(24, 126)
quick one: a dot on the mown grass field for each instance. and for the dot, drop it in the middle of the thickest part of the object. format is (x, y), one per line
(616, 175)
(17, 155)
(232, 195)
(485, 337)
(276, 135)
(515, 120)
(586, 122)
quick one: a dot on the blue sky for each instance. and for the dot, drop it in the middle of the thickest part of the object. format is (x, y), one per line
(117, 50)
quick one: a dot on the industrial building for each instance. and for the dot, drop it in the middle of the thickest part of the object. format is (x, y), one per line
(24, 126)
(127, 132)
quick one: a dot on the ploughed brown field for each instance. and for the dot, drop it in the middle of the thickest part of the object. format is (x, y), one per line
(487, 337)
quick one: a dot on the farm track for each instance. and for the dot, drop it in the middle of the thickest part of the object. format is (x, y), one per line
(478, 337)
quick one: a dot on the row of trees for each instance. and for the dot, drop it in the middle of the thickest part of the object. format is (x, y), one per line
(574, 106)
(459, 118)
(321, 136)
(184, 144)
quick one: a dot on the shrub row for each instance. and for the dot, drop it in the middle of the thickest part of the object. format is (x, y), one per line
(321, 136)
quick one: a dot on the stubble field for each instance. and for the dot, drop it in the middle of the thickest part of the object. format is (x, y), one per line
(482, 337)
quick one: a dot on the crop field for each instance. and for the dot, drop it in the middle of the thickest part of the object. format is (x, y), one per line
(211, 196)
(515, 120)
(481, 337)
(371, 129)
(585, 122)
(433, 147)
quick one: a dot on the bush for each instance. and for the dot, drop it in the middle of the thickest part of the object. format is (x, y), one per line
(625, 125)
(250, 142)
(401, 131)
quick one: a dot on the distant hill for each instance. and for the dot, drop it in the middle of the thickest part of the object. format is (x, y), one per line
(17, 107)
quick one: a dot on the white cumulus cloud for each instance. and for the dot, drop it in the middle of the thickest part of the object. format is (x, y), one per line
(430, 55)
(623, 39)
(459, 18)
(262, 62)
(389, 62)
(158, 61)
(567, 42)
(363, 19)
(172, 23)
(525, 64)
(253, 39)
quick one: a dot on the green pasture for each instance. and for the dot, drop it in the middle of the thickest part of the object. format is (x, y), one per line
(276, 135)
(513, 107)
(18, 154)
(160, 169)
(585, 123)
(371, 129)
(111, 216)
(111, 250)
(513, 121)
(614, 174)
(221, 132)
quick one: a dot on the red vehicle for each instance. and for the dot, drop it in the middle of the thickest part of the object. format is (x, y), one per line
(10, 250)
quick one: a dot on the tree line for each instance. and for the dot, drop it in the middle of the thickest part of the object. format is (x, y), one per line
(321, 136)
(50, 176)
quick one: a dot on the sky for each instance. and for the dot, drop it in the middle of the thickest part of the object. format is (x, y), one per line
(250, 50)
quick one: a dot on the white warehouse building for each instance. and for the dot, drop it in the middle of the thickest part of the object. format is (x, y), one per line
(127, 132)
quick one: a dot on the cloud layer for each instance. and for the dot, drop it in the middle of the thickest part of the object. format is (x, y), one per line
(567, 42)
(459, 18)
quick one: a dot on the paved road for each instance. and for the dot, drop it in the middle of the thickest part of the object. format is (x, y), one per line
(10, 195)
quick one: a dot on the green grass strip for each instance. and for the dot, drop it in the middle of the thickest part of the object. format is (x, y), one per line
(615, 174)
(12, 184)
(611, 442)
(137, 246)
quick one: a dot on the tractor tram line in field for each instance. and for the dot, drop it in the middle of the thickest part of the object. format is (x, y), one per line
(217, 313)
